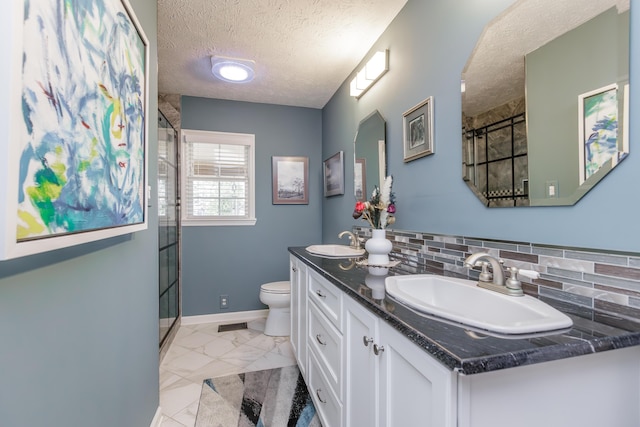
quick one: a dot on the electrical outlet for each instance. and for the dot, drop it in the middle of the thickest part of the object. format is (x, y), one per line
(224, 301)
(552, 189)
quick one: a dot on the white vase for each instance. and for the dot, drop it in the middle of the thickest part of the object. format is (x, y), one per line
(378, 248)
(375, 282)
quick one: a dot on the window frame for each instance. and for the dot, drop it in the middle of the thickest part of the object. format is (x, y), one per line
(225, 138)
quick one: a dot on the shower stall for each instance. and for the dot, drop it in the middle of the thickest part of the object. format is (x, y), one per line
(168, 231)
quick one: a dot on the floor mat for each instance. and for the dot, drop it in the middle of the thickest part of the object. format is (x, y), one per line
(269, 398)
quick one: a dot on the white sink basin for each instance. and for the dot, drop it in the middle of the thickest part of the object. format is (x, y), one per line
(335, 251)
(462, 301)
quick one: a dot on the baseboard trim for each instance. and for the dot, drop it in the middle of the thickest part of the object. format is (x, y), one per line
(235, 316)
(157, 418)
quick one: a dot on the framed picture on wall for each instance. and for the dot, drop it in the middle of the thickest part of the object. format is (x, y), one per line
(360, 178)
(75, 154)
(597, 129)
(334, 175)
(290, 180)
(417, 130)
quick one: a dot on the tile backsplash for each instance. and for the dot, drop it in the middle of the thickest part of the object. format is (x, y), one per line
(605, 281)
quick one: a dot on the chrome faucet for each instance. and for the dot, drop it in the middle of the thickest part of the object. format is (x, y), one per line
(511, 286)
(355, 242)
(496, 267)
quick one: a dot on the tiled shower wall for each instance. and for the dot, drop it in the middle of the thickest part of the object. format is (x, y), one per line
(596, 279)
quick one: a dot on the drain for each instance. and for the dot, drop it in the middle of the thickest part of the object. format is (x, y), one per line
(232, 327)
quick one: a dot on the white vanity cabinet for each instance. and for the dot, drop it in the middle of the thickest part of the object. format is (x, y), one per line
(361, 379)
(349, 383)
(325, 348)
(360, 371)
(593, 390)
(298, 337)
(389, 381)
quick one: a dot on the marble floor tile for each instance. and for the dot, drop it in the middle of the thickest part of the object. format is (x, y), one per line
(188, 415)
(241, 336)
(188, 362)
(265, 342)
(170, 422)
(194, 340)
(217, 368)
(199, 352)
(243, 355)
(269, 361)
(180, 395)
(208, 328)
(218, 347)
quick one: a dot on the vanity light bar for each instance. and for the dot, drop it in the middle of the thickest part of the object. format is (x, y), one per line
(370, 73)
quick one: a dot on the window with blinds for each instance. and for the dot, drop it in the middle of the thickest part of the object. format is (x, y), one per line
(218, 173)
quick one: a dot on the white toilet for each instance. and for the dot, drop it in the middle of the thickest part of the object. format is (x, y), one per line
(277, 295)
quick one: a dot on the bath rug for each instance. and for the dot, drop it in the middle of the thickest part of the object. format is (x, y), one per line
(269, 398)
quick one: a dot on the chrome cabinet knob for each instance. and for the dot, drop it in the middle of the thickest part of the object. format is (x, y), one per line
(378, 349)
(318, 391)
(319, 339)
(366, 340)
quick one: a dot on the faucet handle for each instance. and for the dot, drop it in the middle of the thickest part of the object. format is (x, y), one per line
(485, 276)
(512, 282)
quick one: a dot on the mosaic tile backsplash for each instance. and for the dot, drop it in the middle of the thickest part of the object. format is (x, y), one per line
(605, 281)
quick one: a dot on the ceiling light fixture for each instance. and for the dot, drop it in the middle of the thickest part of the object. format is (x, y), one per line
(375, 68)
(232, 70)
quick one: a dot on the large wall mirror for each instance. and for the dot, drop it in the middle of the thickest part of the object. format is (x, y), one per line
(545, 102)
(369, 152)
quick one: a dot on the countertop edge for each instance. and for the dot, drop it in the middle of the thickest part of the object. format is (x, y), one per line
(470, 366)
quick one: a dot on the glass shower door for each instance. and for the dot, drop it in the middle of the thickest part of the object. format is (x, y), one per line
(168, 230)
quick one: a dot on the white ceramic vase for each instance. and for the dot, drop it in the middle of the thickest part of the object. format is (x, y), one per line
(375, 282)
(378, 248)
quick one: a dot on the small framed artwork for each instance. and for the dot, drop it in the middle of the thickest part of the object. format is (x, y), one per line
(597, 129)
(290, 178)
(334, 175)
(417, 130)
(360, 179)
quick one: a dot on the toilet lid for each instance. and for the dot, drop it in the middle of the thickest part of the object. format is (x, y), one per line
(276, 287)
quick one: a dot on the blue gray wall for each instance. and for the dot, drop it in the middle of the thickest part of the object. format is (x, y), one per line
(552, 102)
(235, 261)
(79, 326)
(429, 43)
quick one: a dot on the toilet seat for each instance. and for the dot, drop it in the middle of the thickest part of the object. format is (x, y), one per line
(276, 288)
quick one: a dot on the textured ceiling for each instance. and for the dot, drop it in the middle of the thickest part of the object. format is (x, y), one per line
(303, 49)
(494, 74)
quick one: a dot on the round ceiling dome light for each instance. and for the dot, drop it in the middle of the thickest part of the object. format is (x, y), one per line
(232, 70)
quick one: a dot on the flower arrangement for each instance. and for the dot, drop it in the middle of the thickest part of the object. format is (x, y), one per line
(380, 209)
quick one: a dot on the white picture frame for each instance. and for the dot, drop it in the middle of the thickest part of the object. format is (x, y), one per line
(74, 153)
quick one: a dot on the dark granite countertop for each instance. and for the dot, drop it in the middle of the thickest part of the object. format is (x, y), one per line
(471, 351)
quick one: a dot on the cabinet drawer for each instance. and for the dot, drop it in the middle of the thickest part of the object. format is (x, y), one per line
(327, 297)
(326, 402)
(326, 341)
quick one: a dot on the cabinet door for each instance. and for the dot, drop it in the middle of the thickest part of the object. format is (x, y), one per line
(415, 389)
(295, 311)
(361, 366)
(298, 308)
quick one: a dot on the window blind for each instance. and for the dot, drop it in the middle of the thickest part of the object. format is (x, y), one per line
(218, 178)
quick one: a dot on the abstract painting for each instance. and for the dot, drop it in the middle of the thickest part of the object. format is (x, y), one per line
(81, 141)
(598, 115)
